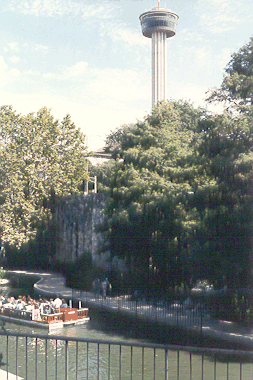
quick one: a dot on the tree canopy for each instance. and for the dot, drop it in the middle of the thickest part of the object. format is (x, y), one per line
(180, 199)
(40, 158)
(237, 85)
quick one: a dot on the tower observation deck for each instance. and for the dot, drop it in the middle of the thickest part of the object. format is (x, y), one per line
(158, 24)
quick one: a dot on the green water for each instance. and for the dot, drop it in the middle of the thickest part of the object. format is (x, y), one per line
(181, 366)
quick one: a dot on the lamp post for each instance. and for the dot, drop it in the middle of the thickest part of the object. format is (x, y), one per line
(94, 180)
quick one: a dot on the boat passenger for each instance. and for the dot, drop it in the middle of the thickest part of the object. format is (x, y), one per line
(36, 313)
(47, 309)
(40, 301)
(8, 303)
(57, 303)
(29, 306)
(64, 304)
(53, 310)
(41, 307)
(5, 300)
(19, 305)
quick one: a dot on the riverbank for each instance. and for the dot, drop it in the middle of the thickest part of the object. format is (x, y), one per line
(154, 317)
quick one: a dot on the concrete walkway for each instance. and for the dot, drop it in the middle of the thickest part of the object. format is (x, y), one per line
(9, 376)
(51, 284)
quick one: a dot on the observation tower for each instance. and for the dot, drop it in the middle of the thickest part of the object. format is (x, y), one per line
(158, 24)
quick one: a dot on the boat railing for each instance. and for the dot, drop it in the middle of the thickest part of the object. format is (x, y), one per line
(52, 318)
(17, 313)
(82, 313)
(65, 315)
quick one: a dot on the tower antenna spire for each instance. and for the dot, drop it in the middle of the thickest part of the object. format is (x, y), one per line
(158, 3)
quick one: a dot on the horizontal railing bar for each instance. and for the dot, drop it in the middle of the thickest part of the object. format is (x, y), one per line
(196, 350)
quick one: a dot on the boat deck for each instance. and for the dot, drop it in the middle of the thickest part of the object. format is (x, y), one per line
(64, 318)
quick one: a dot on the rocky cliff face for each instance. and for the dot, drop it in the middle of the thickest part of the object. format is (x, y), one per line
(77, 218)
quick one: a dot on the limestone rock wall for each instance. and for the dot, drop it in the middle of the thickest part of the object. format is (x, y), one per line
(76, 219)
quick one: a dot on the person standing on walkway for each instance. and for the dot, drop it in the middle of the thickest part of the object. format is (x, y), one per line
(97, 286)
(110, 288)
(104, 287)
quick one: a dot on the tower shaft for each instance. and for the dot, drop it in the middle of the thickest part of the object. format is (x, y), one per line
(159, 63)
(158, 24)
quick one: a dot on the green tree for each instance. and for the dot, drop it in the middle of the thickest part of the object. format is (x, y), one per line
(228, 145)
(40, 159)
(237, 85)
(226, 208)
(156, 167)
(180, 199)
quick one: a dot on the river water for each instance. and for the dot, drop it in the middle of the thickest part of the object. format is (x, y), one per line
(51, 355)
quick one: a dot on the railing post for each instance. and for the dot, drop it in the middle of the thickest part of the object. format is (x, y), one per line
(66, 361)
(166, 365)
(17, 356)
(36, 358)
(87, 364)
(7, 355)
(56, 359)
(120, 362)
(98, 363)
(45, 360)
(76, 360)
(201, 323)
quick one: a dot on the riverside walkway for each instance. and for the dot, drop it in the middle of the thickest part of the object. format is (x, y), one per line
(52, 284)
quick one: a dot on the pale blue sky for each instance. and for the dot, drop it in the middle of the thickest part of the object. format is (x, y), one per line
(89, 58)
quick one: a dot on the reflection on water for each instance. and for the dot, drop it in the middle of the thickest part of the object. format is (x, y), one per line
(4, 289)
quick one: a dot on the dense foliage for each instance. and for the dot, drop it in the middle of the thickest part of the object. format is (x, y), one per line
(40, 159)
(237, 86)
(180, 196)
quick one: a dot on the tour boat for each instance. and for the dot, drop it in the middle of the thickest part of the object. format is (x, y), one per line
(64, 317)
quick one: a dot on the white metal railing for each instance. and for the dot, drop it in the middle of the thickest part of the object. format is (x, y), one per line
(44, 357)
